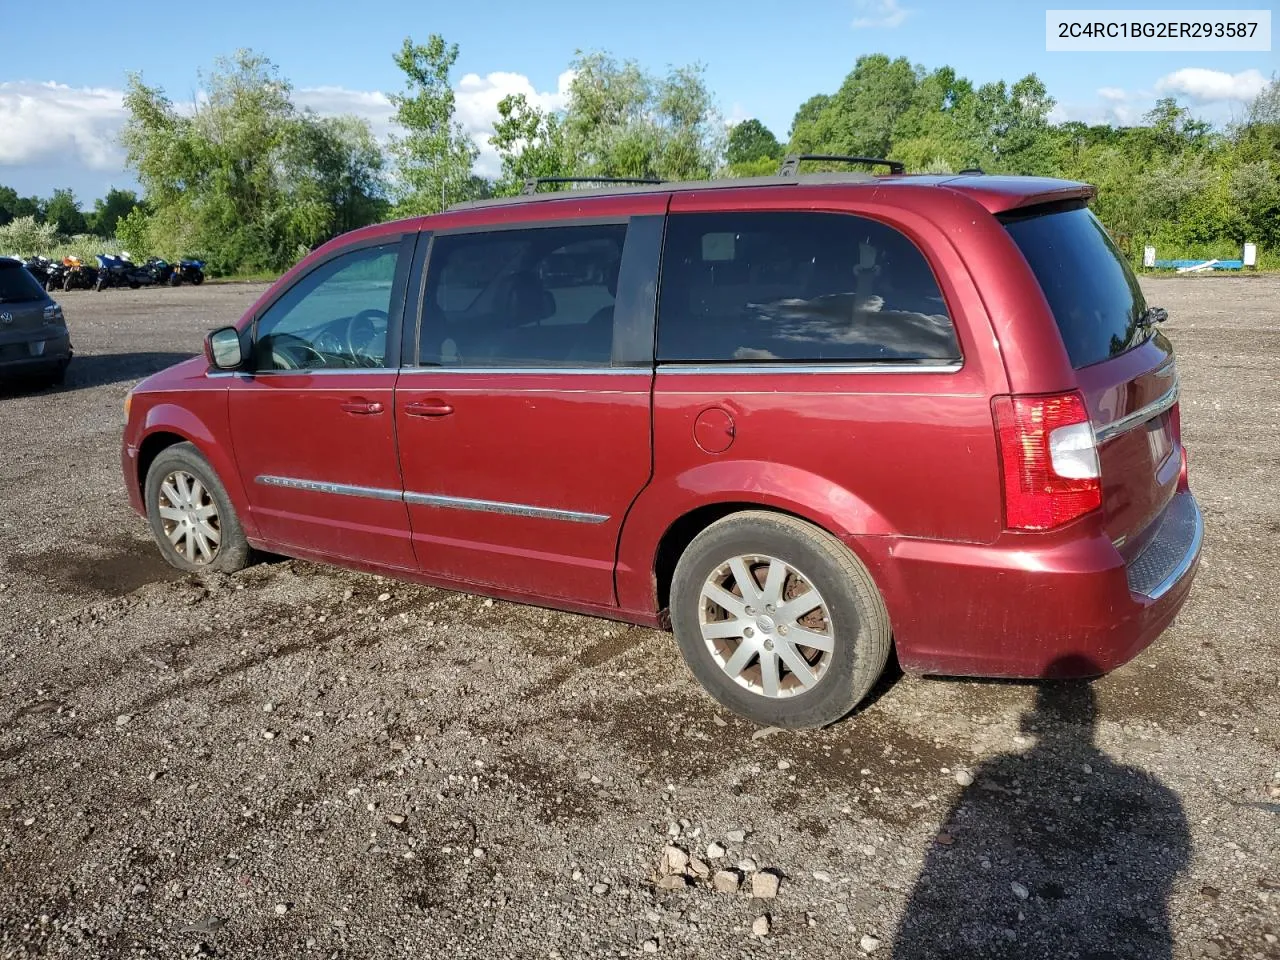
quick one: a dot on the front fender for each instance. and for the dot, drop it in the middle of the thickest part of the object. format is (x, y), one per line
(207, 430)
(807, 495)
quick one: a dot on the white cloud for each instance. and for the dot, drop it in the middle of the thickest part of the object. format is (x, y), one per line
(477, 107)
(879, 13)
(1212, 86)
(737, 114)
(1113, 93)
(44, 122)
(49, 121)
(371, 105)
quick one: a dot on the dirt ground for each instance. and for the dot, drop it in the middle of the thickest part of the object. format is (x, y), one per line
(299, 761)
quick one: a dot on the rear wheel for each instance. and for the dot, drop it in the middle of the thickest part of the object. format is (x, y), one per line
(191, 515)
(778, 620)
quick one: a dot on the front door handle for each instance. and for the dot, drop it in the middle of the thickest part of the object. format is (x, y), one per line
(359, 405)
(428, 408)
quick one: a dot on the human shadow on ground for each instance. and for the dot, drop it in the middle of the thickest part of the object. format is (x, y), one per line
(1055, 852)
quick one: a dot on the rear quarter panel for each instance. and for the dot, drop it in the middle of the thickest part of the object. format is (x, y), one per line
(862, 454)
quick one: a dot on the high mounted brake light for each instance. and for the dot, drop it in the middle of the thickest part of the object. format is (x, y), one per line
(1048, 459)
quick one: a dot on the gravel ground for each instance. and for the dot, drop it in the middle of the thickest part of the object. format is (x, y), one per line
(301, 761)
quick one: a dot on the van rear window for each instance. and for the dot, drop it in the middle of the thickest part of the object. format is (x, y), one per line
(1093, 294)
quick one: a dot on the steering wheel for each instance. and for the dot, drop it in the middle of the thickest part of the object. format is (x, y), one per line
(293, 353)
(363, 328)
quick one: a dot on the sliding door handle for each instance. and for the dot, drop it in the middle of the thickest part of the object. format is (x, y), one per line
(428, 408)
(359, 405)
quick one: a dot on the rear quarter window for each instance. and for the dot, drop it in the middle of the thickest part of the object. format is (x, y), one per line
(797, 288)
(1094, 296)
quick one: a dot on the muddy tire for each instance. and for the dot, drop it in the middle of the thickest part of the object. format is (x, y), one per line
(191, 516)
(778, 620)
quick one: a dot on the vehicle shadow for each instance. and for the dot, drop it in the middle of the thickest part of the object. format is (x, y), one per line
(1058, 851)
(93, 370)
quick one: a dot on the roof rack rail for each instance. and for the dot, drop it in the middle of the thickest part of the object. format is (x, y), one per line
(977, 170)
(532, 183)
(791, 165)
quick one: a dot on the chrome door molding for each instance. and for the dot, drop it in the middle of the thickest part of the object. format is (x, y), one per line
(319, 486)
(498, 506)
(432, 499)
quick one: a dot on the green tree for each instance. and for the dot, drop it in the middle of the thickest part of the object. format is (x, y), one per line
(529, 141)
(434, 157)
(861, 116)
(108, 210)
(13, 206)
(244, 178)
(751, 141)
(63, 213)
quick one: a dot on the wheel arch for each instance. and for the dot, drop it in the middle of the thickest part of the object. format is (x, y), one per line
(656, 534)
(167, 425)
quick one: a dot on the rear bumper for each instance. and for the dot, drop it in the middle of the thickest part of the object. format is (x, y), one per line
(1022, 609)
(17, 356)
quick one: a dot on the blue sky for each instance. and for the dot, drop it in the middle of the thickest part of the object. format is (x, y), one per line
(59, 100)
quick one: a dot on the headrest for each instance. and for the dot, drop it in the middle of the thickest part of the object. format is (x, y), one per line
(523, 299)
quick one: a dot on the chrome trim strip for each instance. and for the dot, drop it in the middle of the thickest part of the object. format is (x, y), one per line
(732, 368)
(1192, 554)
(540, 371)
(1126, 423)
(431, 499)
(497, 506)
(319, 486)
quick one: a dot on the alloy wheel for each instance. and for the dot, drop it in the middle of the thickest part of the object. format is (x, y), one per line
(766, 626)
(189, 517)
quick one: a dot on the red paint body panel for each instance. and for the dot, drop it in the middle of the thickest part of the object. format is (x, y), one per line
(903, 467)
(575, 442)
(296, 427)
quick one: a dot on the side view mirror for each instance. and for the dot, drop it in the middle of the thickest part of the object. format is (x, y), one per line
(222, 348)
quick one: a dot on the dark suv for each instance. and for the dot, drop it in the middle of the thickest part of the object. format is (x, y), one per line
(794, 418)
(33, 332)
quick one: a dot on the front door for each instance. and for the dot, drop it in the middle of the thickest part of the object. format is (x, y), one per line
(313, 422)
(524, 428)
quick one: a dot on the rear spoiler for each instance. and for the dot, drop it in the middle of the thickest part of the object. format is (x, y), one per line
(1005, 194)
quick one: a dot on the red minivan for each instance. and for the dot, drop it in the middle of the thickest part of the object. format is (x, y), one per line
(795, 418)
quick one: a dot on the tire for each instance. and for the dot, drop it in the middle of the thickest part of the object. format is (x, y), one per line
(197, 277)
(59, 375)
(232, 551)
(99, 286)
(134, 284)
(851, 620)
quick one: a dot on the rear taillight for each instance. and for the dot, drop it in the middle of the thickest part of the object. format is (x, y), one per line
(1048, 458)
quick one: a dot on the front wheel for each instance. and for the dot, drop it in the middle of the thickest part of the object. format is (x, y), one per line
(778, 620)
(191, 515)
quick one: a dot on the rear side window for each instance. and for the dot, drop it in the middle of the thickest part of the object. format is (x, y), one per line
(1093, 294)
(797, 287)
(532, 297)
(17, 285)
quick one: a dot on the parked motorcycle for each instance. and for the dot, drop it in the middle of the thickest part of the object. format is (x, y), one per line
(121, 271)
(38, 267)
(55, 274)
(79, 275)
(162, 271)
(192, 271)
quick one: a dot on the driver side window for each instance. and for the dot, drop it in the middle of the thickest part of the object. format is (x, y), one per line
(334, 318)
